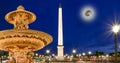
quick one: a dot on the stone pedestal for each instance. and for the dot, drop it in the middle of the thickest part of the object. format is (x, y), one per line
(60, 56)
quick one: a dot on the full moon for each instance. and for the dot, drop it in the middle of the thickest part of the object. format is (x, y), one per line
(88, 13)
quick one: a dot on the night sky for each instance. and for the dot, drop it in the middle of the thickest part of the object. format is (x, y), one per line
(78, 34)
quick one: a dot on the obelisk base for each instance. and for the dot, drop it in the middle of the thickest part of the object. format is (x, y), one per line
(60, 56)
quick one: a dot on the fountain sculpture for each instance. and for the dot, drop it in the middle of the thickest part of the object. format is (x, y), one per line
(21, 42)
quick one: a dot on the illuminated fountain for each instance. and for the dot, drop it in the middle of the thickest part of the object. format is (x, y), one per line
(20, 42)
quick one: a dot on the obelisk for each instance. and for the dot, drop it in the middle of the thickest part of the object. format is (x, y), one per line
(60, 35)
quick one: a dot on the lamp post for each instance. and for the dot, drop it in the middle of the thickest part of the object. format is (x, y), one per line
(83, 54)
(89, 54)
(36, 55)
(47, 51)
(74, 52)
(116, 29)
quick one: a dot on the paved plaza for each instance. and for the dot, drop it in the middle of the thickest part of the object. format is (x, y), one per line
(72, 62)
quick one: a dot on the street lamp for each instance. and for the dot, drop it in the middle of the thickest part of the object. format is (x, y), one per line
(66, 55)
(47, 51)
(89, 54)
(74, 51)
(107, 55)
(115, 29)
(83, 54)
(53, 55)
(79, 55)
(36, 54)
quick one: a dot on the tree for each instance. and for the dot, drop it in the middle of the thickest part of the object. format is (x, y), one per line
(99, 53)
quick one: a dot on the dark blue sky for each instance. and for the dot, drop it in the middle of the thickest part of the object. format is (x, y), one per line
(78, 34)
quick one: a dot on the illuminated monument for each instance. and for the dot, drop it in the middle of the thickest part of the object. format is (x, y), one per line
(60, 35)
(20, 42)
